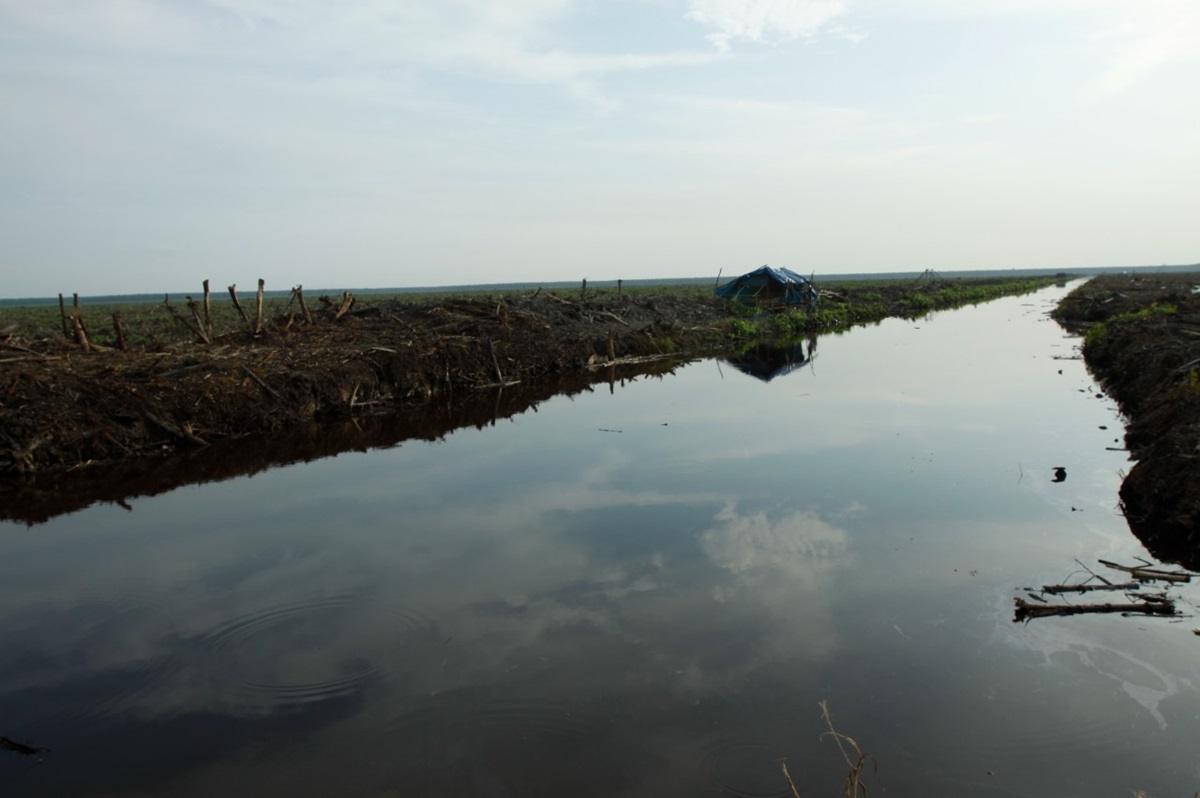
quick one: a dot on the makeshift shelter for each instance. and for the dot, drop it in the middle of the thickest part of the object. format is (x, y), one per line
(768, 284)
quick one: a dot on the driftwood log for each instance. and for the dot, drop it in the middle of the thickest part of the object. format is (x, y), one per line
(1149, 605)
(1056, 590)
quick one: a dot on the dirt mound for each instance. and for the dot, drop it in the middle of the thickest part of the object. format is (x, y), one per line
(1142, 341)
(64, 406)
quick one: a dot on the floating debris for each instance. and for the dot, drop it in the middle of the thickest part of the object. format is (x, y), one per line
(1146, 573)
(1137, 603)
(1143, 605)
(21, 748)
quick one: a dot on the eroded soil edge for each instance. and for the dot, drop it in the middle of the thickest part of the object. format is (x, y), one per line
(1142, 342)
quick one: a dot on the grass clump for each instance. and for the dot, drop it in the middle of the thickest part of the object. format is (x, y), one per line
(740, 328)
(844, 305)
(1100, 330)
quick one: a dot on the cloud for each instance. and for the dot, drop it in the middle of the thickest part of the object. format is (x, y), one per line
(764, 20)
(526, 42)
(140, 24)
(802, 543)
(1143, 41)
(1132, 40)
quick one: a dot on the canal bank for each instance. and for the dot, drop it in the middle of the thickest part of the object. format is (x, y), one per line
(1142, 342)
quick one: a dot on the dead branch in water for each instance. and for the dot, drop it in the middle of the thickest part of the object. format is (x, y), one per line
(1138, 603)
(1056, 590)
(1145, 573)
(1147, 605)
(21, 748)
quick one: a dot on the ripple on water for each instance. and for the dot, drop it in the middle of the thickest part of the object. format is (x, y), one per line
(309, 651)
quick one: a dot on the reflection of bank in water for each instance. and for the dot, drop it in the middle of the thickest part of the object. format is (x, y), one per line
(43, 496)
(766, 361)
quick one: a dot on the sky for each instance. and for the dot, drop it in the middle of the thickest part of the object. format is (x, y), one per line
(147, 145)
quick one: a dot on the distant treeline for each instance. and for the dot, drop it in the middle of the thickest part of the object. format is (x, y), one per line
(571, 284)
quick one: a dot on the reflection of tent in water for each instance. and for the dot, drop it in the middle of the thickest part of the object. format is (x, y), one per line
(769, 284)
(768, 362)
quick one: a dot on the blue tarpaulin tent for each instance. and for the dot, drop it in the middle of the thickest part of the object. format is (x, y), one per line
(769, 284)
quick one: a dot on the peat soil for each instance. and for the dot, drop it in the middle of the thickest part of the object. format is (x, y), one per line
(1142, 343)
(81, 423)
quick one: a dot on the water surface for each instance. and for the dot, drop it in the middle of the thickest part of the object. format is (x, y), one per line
(639, 593)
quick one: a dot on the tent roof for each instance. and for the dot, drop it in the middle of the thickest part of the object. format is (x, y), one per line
(778, 275)
(793, 285)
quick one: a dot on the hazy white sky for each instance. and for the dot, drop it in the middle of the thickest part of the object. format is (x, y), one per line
(149, 144)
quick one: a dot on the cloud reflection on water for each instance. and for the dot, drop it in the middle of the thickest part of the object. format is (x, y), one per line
(634, 606)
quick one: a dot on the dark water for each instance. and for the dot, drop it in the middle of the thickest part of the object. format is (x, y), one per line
(641, 593)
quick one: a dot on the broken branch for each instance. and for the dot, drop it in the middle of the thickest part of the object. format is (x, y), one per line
(1145, 574)
(1026, 611)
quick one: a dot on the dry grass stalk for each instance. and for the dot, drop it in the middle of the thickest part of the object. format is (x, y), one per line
(853, 786)
(788, 776)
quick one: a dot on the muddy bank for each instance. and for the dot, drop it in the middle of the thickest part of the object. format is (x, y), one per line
(67, 404)
(80, 424)
(1142, 342)
(64, 408)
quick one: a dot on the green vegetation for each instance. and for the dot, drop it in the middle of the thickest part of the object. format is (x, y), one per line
(1099, 331)
(740, 328)
(849, 304)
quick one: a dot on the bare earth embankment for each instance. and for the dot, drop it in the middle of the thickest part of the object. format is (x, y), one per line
(64, 407)
(1142, 342)
(82, 420)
